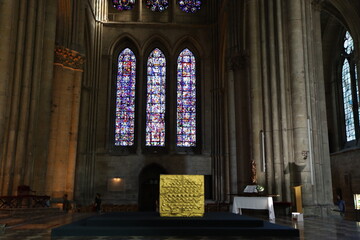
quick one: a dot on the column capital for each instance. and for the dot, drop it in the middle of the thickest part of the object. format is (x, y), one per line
(69, 58)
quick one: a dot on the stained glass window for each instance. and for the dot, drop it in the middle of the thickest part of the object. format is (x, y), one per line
(155, 103)
(190, 6)
(347, 99)
(186, 99)
(350, 89)
(348, 43)
(125, 99)
(157, 5)
(123, 4)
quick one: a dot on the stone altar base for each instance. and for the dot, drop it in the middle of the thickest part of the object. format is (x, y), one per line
(151, 224)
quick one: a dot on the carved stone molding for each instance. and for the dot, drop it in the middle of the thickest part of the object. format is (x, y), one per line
(69, 58)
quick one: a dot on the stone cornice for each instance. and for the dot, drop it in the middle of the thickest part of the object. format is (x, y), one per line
(69, 58)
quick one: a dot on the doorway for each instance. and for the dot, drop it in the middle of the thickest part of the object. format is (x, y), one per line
(149, 179)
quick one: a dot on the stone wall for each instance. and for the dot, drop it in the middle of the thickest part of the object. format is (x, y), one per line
(346, 175)
(171, 31)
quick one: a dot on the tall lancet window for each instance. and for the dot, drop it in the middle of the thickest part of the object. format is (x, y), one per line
(155, 102)
(125, 99)
(350, 89)
(186, 99)
(348, 102)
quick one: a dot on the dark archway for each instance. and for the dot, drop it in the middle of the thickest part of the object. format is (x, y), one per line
(149, 178)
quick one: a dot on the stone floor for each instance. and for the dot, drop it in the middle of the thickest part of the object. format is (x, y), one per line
(333, 227)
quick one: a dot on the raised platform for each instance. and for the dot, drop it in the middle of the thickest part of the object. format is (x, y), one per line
(151, 224)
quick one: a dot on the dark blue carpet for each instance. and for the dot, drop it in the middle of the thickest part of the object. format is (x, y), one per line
(151, 224)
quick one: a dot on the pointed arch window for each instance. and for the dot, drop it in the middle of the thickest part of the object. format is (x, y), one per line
(155, 102)
(149, 126)
(186, 100)
(125, 99)
(350, 90)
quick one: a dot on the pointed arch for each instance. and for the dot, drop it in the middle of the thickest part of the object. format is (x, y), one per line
(350, 90)
(155, 129)
(123, 101)
(188, 95)
(186, 98)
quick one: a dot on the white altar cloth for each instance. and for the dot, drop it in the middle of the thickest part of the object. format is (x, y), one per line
(254, 203)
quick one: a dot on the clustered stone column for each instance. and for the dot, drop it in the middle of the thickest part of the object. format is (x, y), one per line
(281, 101)
(256, 91)
(26, 55)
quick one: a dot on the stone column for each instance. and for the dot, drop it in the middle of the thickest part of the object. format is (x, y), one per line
(64, 122)
(238, 98)
(240, 162)
(17, 117)
(22, 61)
(87, 141)
(41, 96)
(26, 64)
(8, 13)
(302, 79)
(281, 161)
(271, 84)
(231, 133)
(298, 83)
(319, 153)
(256, 93)
(274, 70)
(266, 136)
(220, 168)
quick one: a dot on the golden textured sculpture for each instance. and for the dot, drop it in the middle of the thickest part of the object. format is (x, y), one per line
(181, 196)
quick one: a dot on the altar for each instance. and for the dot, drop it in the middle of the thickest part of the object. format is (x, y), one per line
(254, 202)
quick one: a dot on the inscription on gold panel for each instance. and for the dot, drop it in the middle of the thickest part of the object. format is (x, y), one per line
(181, 195)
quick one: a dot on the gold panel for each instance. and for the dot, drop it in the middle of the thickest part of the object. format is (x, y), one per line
(298, 199)
(182, 196)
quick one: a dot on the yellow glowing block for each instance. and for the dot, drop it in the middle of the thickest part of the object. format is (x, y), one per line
(181, 196)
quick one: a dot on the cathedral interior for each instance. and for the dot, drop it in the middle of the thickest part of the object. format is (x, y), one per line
(101, 96)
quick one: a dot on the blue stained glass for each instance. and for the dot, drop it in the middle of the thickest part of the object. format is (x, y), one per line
(155, 103)
(157, 5)
(347, 98)
(190, 6)
(186, 99)
(348, 43)
(123, 4)
(125, 99)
